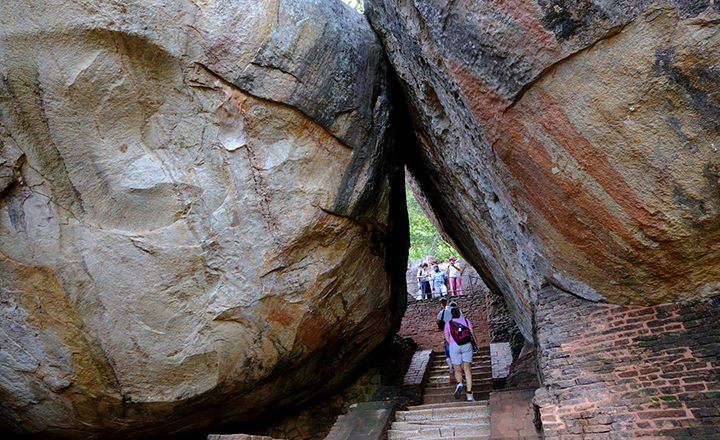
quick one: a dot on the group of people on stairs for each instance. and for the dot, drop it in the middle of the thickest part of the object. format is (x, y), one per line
(459, 346)
(433, 283)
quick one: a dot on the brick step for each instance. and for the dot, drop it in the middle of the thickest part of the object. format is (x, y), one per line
(482, 431)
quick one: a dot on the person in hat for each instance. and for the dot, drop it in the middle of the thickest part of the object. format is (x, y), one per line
(453, 273)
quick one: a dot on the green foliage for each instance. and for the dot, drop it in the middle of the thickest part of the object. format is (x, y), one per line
(355, 4)
(424, 238)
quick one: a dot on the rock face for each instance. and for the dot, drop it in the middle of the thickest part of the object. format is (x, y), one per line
(197, 223)
(568, 143)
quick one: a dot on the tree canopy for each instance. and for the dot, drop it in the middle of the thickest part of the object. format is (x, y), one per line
(424, 237)
(355, 4)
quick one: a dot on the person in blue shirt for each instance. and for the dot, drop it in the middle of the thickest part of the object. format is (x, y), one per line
(438, 280)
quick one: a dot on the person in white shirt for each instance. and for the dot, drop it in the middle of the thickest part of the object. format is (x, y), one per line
(424, 276)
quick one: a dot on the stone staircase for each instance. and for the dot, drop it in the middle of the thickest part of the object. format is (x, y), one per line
(442, 416)
(440, 389)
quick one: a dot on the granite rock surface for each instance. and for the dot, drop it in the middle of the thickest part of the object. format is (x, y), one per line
(197, 224)
(567, 143)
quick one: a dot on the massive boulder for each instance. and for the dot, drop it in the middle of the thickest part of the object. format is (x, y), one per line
(567, 143)
(200, 211)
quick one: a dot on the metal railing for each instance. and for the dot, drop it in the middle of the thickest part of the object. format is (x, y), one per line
(472, 285)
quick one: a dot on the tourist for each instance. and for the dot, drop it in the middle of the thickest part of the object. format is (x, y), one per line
(438, 278)
(443, 318)
(424, 276)
(453, 273)
(460, 354)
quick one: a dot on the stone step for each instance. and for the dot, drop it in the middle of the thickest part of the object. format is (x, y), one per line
(481, 349)
(482, 352)
(475, 369)
(450, 389)
(477, 356)
(440, 432)
(476, 363)
(449, 398)
(422, 424)
(447, 387)
(475, 372)
(444, 366)
(443, 381)
(470, 411)
(478, 437)
(449, 405)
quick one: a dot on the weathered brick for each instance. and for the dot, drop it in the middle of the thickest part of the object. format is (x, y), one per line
(702, 430)
(667, 423)
(601, 350)
(667, 308)
(594, 429)
(604, 419)
(696, 365)
(641, 312)
(705, 412)
(620, 342)
(672, 368)
(646, 415)
(623, 417)
(676, 432)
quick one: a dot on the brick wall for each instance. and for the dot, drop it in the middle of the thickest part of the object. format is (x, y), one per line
(419, 321)
(614, 372)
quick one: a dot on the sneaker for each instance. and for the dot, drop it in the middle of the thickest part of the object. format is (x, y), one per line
(470, 396)
(458, 390)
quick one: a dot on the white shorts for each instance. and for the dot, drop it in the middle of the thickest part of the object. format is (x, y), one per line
(461, 353)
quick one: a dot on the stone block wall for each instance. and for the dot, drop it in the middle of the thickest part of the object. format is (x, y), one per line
(616, 372)
(501, 359)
